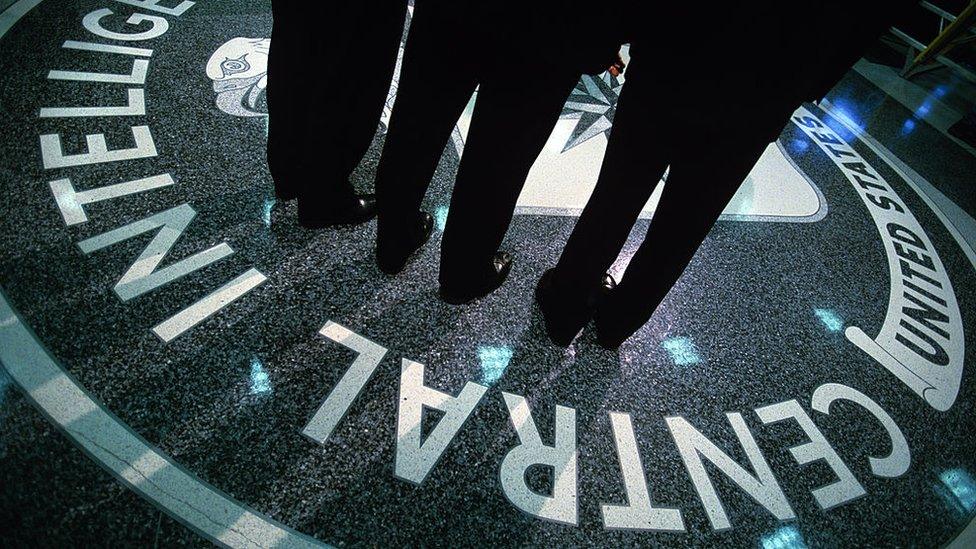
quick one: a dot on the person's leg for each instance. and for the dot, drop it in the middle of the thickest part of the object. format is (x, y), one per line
(699, 187)
(287, 55)
(436, 82)
(512, 121)
(370, 58)
(306, 60)
(354, 67)
(636, 157)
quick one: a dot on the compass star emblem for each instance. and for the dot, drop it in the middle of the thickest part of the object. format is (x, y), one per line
(593, 102)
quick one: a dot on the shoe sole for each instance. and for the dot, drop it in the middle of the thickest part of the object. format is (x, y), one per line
(396, 268)
(462, 299)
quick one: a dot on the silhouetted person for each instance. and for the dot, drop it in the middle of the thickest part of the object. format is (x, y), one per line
(525, 59)
(707, 116)
(329, 72)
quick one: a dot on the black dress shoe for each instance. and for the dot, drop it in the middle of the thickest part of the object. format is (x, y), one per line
(563, 319)
(612, 329)
(284, 185)
(610, 338)
(359, 210)
(285, 194)
(502, 265)
(392, 259)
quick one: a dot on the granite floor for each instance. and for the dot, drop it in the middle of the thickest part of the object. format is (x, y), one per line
(268, 386)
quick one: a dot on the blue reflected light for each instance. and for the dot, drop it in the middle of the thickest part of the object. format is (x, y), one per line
(682, 350)
(960, 490)
(440, 217)
(923, 109)
(787, 537)
(266, 211)
(830, 319)
(908, 127)
(260, 383)
(845, 112)
(494, 361)
(800, 145)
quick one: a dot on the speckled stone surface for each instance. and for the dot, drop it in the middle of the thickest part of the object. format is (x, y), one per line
(904, 132)
(744, 311)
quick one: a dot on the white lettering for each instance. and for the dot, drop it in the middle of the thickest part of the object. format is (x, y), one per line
(847, 487)
(638, 514)
(136, 107)
(177, 325)
(72, 203)
(93, 22)
(54, 157)
(331, 412)
(142, 276)
(899, 460)
(153, 5)
(562, 505)
(693, 445)
(415, 459)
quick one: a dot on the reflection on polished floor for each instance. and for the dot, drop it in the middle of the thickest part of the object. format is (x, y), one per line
(807, 383)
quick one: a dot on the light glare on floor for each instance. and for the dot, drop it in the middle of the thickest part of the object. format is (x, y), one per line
(260, 382)
(830, 319)
(266, 211)
(682, 350)
(800, 145)
(908, 127)
(494, 361)
(440, 217)
(961, 487)
(850, 123)
(787, 537)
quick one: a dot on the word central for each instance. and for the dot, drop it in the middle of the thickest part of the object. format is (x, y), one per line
(415, 457)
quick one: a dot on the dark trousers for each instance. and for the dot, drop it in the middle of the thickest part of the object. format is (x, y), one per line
(706, 169)
(329, 73)
(518, 104)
